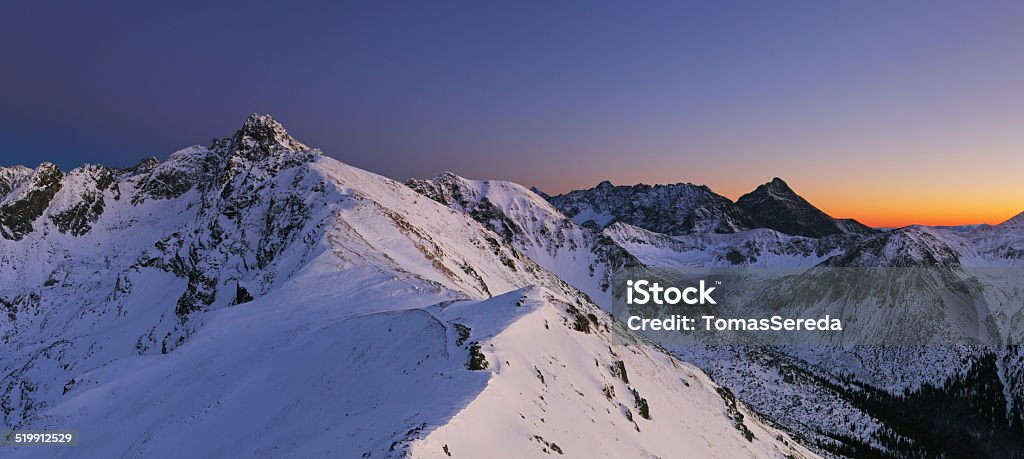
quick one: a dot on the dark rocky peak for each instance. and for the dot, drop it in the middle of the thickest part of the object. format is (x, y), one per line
(777, 188)
(681, 208)
(448, 177)
(447, 188)
(259, 150)
(27, 203)
(145, 166)
(261, 136)
(539, 192)
(45, 175)
(82, 201)
(775, 205)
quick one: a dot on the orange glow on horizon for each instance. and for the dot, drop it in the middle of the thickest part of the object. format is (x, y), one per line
(894, 208)
(880, 204)
(952, 187)
(923, 217)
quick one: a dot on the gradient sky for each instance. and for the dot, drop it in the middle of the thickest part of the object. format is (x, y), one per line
(890, 112)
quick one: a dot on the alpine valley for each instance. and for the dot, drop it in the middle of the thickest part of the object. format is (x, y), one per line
(256, 298)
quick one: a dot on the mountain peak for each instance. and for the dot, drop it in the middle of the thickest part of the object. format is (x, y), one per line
(447, 176)
(145, 165)
(262, 125)
(11, 177)
(537, 191)
(778, 186)
(261, 136)
(775, 205)
(675, 209)
(261, 144)
(904, 247)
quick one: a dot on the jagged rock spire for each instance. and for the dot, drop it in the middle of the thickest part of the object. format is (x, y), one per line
(259, 137)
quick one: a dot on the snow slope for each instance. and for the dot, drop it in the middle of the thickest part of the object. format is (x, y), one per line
(255, 298)
(751, 248)
(529, 223)
(561, 390)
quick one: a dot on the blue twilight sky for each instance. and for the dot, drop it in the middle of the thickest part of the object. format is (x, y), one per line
(919, 102)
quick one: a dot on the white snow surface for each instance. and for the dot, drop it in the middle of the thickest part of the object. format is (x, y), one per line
(350, 346)
(534, 228)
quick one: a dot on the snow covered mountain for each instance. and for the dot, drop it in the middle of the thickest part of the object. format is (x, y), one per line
(775, 205)
(903, 247)
(676, 209)
(780, 382)
(751, 248)
(319, 309)
(11, 178)
(686, 209)
(989, 245)
(256, 298)
(583, 258)
(979, 246)
(873, 400)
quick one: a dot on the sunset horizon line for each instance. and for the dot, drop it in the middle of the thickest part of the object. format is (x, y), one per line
(893, 219)
(879, 221)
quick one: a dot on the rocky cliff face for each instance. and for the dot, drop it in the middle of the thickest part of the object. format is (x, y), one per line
(676, 209)
(581, 256)
(24, 204)
(11, 178)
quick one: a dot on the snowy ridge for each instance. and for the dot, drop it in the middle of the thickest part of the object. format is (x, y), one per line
(256, 283)
(27, 200)
(680, 208)
(996, 245)
(12, 178)
(1014, 223)
(852, 382)
(529, 223)
(904, 247)
(310, 305)
(753, 248)
(564, 392)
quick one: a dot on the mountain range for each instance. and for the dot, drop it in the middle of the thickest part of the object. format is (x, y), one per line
(684, 208)
(255, 297)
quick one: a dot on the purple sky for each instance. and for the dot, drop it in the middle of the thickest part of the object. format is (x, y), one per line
(835, 97)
